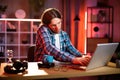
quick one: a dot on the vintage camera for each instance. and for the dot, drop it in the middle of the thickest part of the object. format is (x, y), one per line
(17, 67)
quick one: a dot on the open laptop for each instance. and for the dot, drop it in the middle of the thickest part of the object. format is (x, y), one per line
(101, 56)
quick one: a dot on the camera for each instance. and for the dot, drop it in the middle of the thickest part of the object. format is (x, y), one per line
(17, 67)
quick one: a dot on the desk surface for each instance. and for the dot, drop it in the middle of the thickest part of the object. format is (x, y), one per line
(34, 73)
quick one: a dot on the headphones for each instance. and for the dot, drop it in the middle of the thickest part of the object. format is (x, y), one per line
(17, 67)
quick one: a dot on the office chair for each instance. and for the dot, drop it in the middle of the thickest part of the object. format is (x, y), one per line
(30, 54)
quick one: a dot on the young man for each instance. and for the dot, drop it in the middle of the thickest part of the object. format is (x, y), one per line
(52, 41)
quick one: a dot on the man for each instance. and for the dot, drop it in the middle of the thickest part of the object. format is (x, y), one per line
(51, 41)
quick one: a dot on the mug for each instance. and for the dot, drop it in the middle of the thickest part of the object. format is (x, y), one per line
(48, 59)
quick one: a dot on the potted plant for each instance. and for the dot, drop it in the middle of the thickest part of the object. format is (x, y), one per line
(118, 60)
(37, 4)
(118, 56)
(2, 10)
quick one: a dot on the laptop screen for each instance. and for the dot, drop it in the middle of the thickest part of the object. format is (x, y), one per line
(102, 55)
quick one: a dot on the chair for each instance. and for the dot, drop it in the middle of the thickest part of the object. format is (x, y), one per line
(30, 54)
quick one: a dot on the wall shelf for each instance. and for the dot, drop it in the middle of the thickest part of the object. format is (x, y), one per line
(18, 35)
(99, 26)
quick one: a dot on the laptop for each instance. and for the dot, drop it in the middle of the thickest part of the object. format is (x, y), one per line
(101, 56)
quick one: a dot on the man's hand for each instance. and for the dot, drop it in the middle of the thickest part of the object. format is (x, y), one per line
(83, 61)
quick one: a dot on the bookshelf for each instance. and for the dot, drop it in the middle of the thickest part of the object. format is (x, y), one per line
(17, 35)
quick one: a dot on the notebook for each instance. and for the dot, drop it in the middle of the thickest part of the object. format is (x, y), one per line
(101, 56)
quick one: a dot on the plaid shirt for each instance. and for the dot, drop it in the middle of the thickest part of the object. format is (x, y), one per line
(45, 46)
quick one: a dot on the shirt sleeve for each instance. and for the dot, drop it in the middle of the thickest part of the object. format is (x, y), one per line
(70, 47)
(44, 40)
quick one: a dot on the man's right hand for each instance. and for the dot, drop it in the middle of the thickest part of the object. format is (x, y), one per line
(83, 61)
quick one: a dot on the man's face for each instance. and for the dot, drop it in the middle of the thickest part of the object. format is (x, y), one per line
(55, 25)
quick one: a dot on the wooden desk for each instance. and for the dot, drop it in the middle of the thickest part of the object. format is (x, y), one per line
(34, 73)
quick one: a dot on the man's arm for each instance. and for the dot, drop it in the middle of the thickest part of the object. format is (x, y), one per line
(70, 47)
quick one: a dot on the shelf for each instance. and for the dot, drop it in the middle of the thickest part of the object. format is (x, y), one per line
(98, 22)
(2, 32)
(99, 26)
(11, 44)
(100, 18)
(18, 35)
(14, 19)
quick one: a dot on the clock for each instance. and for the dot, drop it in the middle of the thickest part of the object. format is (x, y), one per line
(20, 14)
